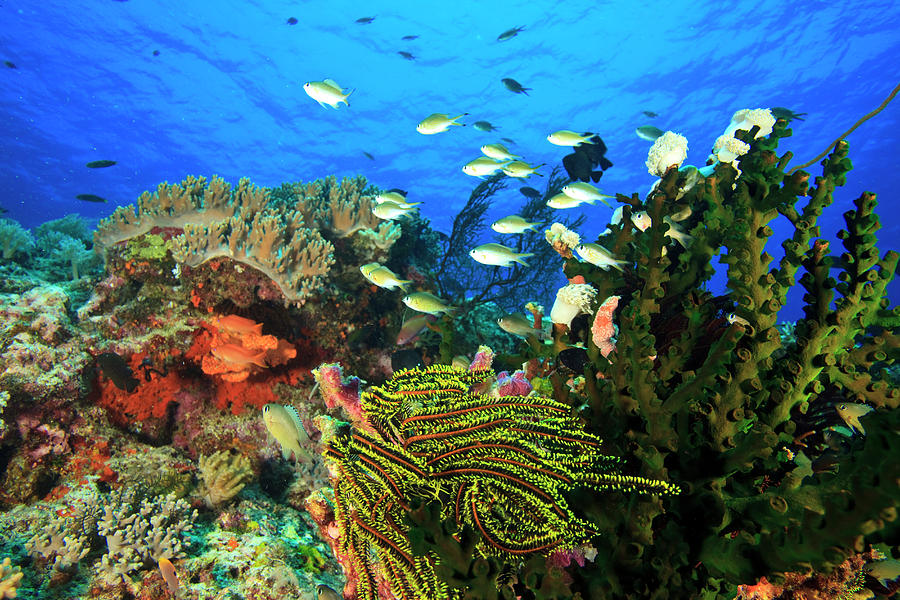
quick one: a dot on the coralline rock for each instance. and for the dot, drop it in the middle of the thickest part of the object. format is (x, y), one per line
(44, 353)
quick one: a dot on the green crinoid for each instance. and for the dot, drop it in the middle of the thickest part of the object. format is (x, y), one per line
(501, 466)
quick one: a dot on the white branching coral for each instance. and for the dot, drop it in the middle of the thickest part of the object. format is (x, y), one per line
(137, 530)
(571, 301)
(668, 149)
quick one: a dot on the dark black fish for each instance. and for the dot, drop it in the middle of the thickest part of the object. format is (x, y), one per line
(581, 163)
(780, 112)
(156, 53)
(409, 37)
(484, 126)
(510, 33)
(100, 164)
(367, 155)
(649, 113)
(365, 20)
(406, 359)
(9, 64)
(514, 86)
(530, 192)
(91, 198)
(3, 211)
(406, 55)
(117, 370)
(292, 21)
(508, 141)
(574, 359)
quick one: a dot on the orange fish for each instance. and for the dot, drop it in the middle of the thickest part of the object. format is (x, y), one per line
(238, 355)
(236, 325)
(167, 570)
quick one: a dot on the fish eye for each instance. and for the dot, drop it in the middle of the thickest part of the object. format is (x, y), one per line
(842, 407)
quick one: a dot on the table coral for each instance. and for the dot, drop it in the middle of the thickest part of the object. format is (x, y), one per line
(220, 222)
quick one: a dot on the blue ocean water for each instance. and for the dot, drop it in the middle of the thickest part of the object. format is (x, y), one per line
(168, 89)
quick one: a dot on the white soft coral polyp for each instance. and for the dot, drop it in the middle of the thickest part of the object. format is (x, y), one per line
(668, 149)
(745, 119)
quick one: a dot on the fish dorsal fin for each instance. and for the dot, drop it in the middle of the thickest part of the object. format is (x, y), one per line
(333, 84)
(295, 417)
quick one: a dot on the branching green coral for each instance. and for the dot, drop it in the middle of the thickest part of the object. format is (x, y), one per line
(706, 390)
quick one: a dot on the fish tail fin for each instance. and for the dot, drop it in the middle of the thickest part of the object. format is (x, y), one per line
(520, 258)
(603, 200)
(403, 284)
(538, 167)
(535, 226)
(617, 265)
(260, 360)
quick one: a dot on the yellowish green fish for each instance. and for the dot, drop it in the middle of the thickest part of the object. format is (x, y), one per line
(518, 324)
(648, 132)
(585, 192)
(482, 166)
(851, 413)
(383, 277)
(733, 318)
(513, 224)
(884, 570)
(391, 210)
(396, 198)
(599, 256)
(498, 152)
(427, 303)
(677, 234)
(438, 122)
(565, 137)
(562, 201)
(326, 92)
(323, 592)
(498, 255)
(284, 424)
(518, 168)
